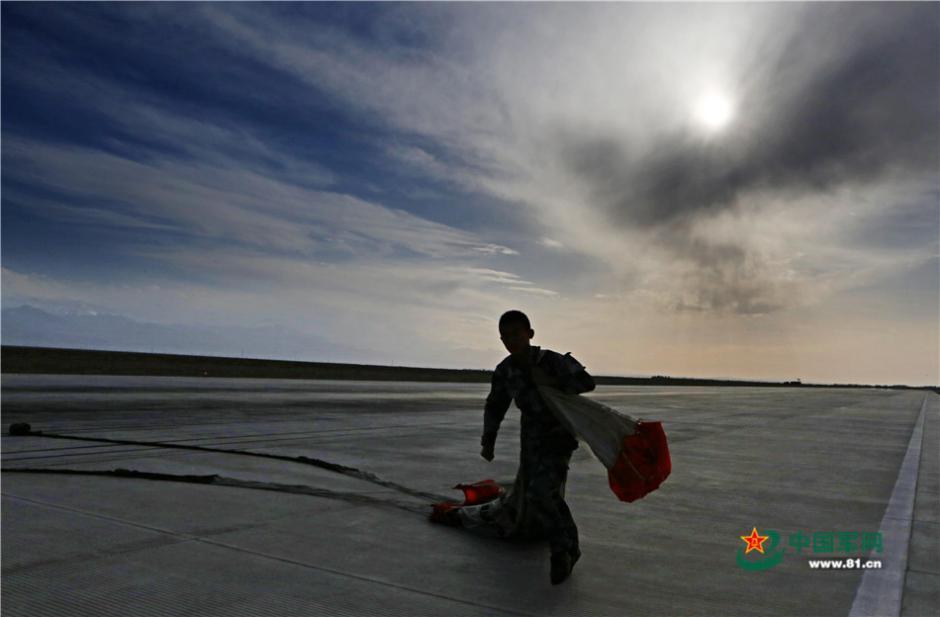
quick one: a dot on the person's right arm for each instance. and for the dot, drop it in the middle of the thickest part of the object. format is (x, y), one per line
(497, 403)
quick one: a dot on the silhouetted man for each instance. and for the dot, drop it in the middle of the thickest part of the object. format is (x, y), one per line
(546, 445)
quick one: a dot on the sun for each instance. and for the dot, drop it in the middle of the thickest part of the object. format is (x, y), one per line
(714, 111)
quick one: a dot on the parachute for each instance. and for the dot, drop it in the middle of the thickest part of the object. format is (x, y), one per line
(634, 452)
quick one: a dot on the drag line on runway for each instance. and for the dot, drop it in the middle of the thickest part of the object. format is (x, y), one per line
(304, 460)
(218, 480)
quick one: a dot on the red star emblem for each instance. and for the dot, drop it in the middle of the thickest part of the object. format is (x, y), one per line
(754, 541)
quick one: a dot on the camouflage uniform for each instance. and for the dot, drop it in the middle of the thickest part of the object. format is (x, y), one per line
(546, 446)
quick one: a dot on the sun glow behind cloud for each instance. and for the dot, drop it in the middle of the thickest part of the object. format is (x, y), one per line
(714, 111)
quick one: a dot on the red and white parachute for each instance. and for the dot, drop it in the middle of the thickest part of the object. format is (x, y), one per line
(635, 453)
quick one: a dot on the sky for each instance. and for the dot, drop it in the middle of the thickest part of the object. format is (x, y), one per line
(701, 190)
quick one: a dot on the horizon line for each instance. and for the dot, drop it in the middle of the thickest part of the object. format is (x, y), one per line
(795, 383)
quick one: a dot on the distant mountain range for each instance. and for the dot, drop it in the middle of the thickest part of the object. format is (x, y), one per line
(28, 325)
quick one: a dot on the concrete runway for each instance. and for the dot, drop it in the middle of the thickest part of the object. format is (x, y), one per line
(788, 460)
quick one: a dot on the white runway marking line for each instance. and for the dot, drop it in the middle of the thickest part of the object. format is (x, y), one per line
(879, 592)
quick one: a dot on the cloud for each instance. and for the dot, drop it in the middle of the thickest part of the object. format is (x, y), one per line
(553, 110)
(367, 304)
(211, 202)
(851, 94)
(491, 249)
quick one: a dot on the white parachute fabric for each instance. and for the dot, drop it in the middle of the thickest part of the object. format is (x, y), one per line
(482, 514)
(601, 427)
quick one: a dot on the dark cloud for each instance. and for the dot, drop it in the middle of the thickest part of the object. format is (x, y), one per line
(804, 124)
(724, 277)
(875, 109)
(852, 93)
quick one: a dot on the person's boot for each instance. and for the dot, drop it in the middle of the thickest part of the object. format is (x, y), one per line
(561, 566)
(575, 554)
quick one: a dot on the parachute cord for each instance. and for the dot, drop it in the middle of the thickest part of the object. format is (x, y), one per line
(305, 460)
(217, 480)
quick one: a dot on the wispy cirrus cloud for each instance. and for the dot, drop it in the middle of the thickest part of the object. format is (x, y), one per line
(237, 205)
